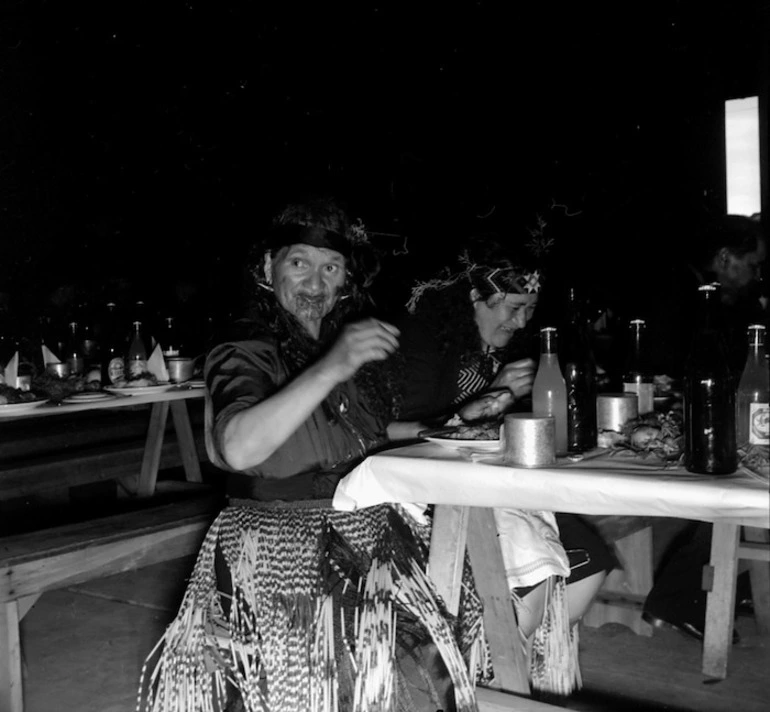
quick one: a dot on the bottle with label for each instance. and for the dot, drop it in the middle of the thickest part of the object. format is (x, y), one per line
(709, 395)
(113, 349)
(579, 368)
(136, 358)
(73, 351)
(637, 373)
(752, 416)
(549, 391)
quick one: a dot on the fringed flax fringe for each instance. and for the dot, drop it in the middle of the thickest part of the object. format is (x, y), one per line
(279, 646)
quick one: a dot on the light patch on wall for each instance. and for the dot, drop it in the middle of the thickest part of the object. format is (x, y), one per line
(742, 149)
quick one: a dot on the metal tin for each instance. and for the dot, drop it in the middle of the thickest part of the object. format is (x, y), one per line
(60, 370)
(613, 411)
(529, 440)
(180, 369)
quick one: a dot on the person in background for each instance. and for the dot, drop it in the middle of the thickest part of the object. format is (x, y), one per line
(731, 252)
(467, 354)
(289, 605)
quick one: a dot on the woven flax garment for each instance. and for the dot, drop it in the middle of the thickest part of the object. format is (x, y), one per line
(320, 600)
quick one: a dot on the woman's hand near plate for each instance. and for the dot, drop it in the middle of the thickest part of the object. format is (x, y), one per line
(487, 406)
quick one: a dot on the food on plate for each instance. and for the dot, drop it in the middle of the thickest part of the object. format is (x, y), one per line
(476, 431)
(659, 434)
(10, 395)
(756, 458)
(142, 379)
(57, 389)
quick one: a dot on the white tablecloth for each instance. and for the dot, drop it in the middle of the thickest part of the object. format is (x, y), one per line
(599, 484)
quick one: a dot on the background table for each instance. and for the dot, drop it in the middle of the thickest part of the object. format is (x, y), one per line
(161, 402)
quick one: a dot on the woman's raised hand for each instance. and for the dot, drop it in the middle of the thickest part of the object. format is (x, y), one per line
(517, 377)
(360, 343)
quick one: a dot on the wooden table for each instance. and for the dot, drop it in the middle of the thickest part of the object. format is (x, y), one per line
(174, 399)
(464, 487)
(39, 561)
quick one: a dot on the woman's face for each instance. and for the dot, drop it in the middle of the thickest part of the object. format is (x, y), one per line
(307, 281)
(502, 315)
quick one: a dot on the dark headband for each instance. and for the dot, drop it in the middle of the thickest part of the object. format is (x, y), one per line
(313, 235)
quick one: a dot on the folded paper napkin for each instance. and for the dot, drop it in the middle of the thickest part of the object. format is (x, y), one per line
(49, 356)
(156, 365)
(11, 372)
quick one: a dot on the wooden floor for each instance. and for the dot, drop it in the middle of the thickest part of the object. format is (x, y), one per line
(84, 649)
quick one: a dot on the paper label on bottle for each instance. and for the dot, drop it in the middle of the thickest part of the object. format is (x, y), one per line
(645, 392)
(116, 369)
(759, 424)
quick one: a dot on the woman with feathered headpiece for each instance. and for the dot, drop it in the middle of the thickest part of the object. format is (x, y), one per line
(467, 357)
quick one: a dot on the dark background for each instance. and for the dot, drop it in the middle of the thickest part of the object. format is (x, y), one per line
(144, 144)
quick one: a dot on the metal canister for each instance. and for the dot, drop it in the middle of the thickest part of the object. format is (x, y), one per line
(613, 411)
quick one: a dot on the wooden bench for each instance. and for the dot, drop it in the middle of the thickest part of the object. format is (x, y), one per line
(44, 560)
(86, 465)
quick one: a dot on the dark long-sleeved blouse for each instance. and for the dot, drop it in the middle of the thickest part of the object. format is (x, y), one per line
(336, 436)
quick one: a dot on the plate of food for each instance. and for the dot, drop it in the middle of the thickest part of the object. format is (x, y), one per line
(139, 390)
(21, 406)
(481, 437)
(88, 397)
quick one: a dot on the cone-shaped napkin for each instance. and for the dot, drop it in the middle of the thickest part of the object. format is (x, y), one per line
(11, 373)
(156, 365)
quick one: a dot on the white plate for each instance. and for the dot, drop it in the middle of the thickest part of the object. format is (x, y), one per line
(21, 407)
(478, 445)
(195, 383)
(87, 397)
(138, 390)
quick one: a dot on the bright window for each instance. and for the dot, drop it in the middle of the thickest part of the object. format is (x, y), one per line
(742, 148)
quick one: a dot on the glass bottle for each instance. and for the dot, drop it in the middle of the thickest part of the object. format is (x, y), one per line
(170, 339)
(142, 314)
(637, 372)
(549, 391)
(89, 344)
(752, 415)
(113, 349)
(709, 395)
(73, 351)
(136, 358)
(579, 369)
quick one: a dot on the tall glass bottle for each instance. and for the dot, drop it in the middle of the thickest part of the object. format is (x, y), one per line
(114, 347)
(709, 395)
(170, 338)
(549, 391)
(141, 313)
(637, 372)
(73, 350)
(579, 368)
(752, 415)
(136, 358)
(89, 343)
